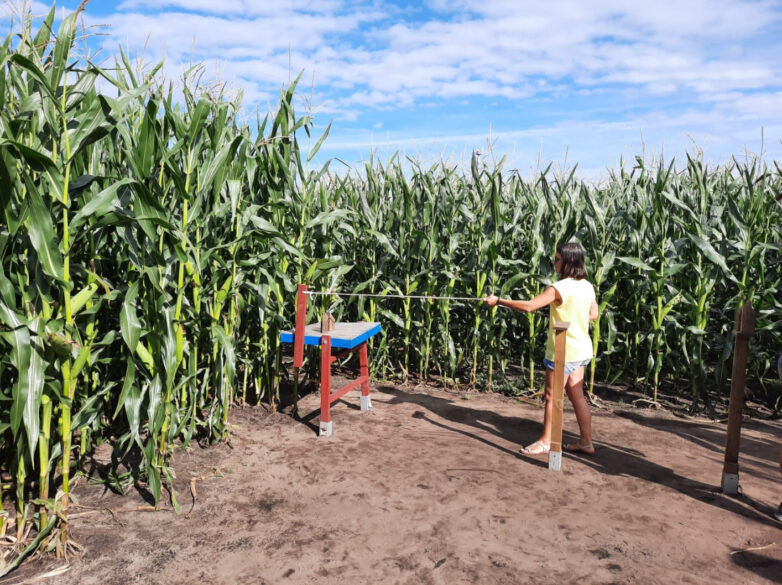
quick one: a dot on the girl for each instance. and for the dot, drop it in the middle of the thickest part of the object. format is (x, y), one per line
(571, 299)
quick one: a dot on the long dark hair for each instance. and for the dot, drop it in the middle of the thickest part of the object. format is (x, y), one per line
(572, 261)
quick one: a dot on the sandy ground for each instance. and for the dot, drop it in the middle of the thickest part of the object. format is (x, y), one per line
(429, 488)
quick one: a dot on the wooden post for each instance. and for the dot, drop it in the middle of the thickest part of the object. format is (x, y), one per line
(366, 401)
(298, 342)
(301, 322)
(325, 387)
(327, 323)
(745, 327)
(558, 396)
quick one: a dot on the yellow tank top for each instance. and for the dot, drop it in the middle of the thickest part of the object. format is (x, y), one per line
(577, 297)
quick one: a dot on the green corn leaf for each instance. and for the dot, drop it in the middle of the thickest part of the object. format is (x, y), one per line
(19, 340)
(711, 254)
(670, 305)
(130, 326)
(393, 317)
(30, 548)
(62, 48)
(311, 271)
(319, 143)
(606, 263)
(197, 119)
(101, 204)
(149, 211)
(44, 33)
(287, 248)
(80, 183)
(143, 353)
(234, 192)
(146, 146)
(153, 472)
(28, 388)
(28, 65)
(81, 90)
(636, 263)
(219, 161)
(88, 411)
(42, 233)
(37, 160)
(81, 360)
(155, 412)
(697, 331)
(674, 268)
(132, 405)
(326, 218)
(7, 289)
(384, 241)
(606, 297)
(80, 299)
(170, 361)
(94, 125)
(128, 384)
(679, 203)
(510, 284)
(226, 346)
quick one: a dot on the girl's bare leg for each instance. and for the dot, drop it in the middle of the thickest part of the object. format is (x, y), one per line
(574, 386)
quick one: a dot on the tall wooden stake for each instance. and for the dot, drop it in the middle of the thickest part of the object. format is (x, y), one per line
(298, 342)
(301, 323)
(558, 396)
(745, 327)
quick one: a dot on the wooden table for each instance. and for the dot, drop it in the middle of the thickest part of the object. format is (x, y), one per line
(347, 337)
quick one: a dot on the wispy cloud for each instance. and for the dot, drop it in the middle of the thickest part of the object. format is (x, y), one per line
(494, 48)
(444, 71)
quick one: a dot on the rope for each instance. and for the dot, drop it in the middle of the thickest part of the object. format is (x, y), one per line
(312, 293)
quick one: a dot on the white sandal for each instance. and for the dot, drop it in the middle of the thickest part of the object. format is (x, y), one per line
(536, 448)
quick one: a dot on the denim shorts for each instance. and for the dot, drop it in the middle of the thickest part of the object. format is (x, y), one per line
(570, 367)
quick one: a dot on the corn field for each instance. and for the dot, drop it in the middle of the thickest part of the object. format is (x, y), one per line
(671, 253)
(151, 244)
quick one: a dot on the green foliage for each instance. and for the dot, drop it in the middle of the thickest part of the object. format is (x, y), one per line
(672, 253)
(150, 251)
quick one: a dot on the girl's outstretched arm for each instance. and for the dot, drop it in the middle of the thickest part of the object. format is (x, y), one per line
(544, 299)
(593, 311)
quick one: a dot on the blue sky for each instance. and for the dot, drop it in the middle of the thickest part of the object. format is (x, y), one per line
(559, 82)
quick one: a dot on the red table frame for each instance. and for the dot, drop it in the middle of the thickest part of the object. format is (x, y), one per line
(327, 358)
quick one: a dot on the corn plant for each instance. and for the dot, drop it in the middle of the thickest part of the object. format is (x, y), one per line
(151, 247)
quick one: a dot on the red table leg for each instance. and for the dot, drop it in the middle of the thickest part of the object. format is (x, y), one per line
(326, 396)
(366, 401)
(325, 386)
(301, 322)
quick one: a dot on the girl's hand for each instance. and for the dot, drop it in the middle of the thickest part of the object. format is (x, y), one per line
(491, 300)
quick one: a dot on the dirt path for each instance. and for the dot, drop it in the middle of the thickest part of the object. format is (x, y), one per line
(428, 488)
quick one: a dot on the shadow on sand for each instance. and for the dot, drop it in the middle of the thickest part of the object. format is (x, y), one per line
(611, 459)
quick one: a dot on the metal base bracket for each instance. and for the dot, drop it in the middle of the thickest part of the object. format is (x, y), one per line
(326, 428)
(730, 484)
(366, 403)
(555, 461)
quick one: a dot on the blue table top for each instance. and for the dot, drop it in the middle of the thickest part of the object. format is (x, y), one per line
(344, 335)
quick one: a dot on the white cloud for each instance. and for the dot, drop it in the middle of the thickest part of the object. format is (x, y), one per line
(597, 145)
(504, 48)
(674, 70)
(235, 7)
(757, 106)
